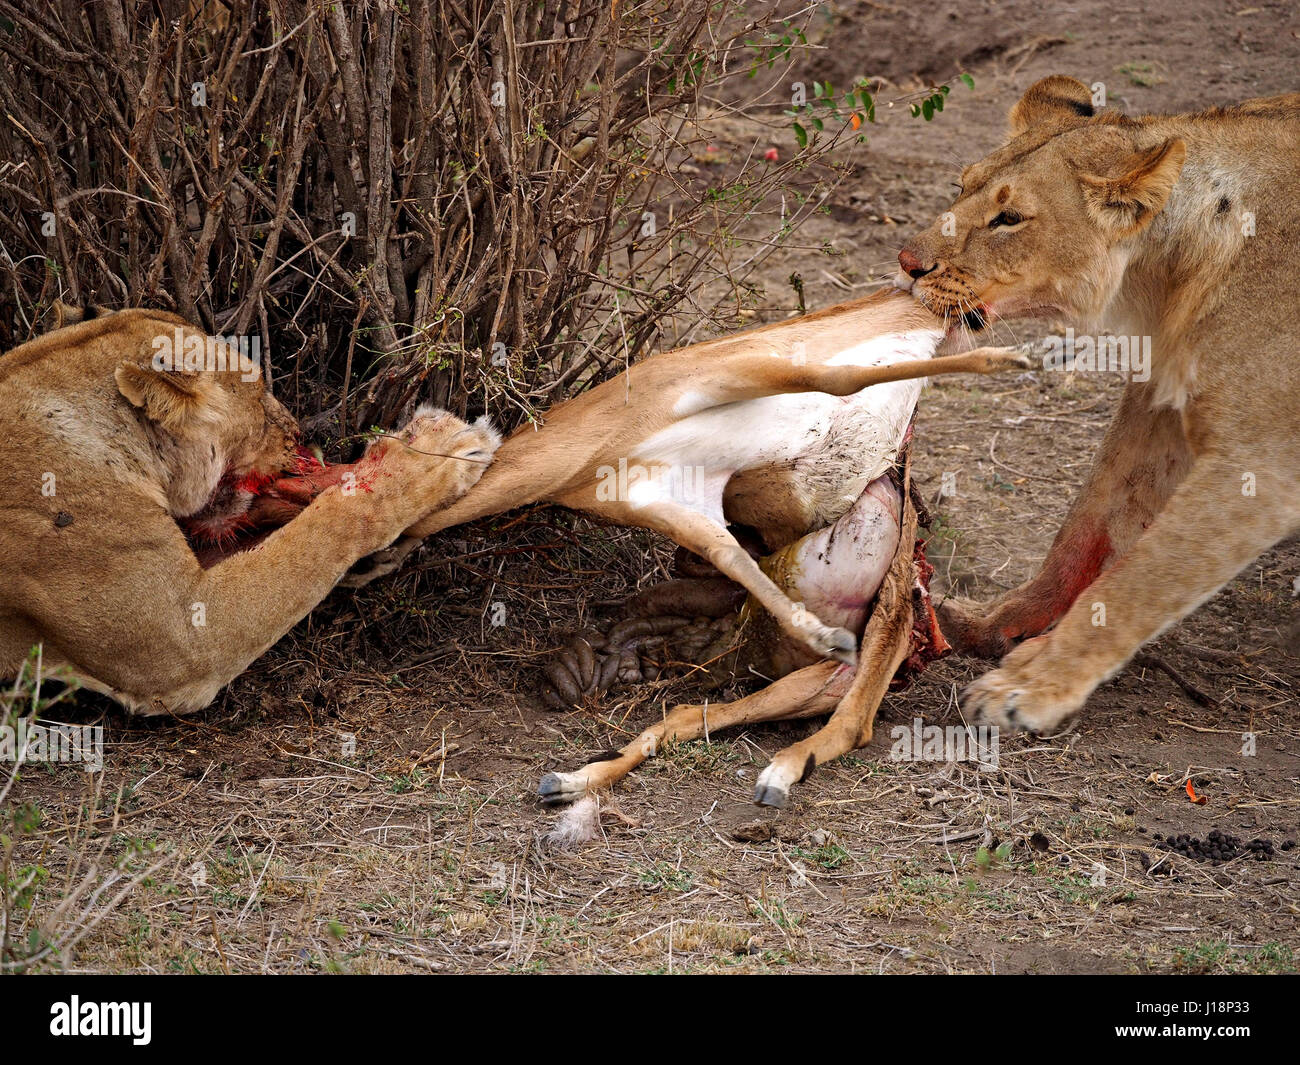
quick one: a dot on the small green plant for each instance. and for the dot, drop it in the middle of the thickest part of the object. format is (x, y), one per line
(1209, 956)
(1142, 75)
(774, 45)
(829, 856)
(933, 104)
(664, 877)
(44, 913)
(995, 859)
(855, 108)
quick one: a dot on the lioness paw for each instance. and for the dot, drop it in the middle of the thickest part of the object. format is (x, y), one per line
(1028, 692)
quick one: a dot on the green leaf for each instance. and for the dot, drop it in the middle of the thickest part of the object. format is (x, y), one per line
(800, 134)
(967, 80)
(927, 109)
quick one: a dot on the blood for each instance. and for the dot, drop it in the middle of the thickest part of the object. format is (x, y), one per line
(312, 477)
(273, 500)
(927, 642)
(1072, 566)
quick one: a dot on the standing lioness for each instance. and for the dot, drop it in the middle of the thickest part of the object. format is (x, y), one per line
(1183, 228)
(105, 447)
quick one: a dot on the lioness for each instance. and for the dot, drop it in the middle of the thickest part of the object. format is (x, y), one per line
(102, 452)
(1183, 228)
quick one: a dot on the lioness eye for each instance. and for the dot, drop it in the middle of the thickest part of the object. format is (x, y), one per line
(1006, 218)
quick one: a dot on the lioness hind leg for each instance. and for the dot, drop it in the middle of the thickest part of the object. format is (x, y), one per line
(804, 693)
(1207, 533)
(1142, 458)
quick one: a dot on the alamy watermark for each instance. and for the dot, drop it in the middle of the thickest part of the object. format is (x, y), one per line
(71, 744)
(920, 742)
(77, 1018)
(634, 483)
(191, 351)
(1126, 354)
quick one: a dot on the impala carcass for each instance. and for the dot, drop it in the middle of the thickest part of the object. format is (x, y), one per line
(860, 567)
(785, 429)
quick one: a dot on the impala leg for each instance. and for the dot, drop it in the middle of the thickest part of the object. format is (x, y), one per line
(885, 645)
(804, 693)
(752, 374)
(703, 535)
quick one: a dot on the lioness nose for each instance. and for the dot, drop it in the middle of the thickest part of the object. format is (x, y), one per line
(911, 264)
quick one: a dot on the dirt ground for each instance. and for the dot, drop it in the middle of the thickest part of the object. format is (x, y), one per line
(363, 799)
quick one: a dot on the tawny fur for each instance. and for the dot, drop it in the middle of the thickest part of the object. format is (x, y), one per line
(101, 454)
(719, 405)
(1185, 229)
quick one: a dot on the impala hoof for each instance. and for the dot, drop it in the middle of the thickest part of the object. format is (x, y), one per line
(771, 795)
(558, 788)
(839, 644)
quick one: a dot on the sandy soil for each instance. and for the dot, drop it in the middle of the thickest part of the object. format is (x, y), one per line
(363, 799)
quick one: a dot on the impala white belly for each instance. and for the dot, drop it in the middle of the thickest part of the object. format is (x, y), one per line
(775, 429)
(852, 439)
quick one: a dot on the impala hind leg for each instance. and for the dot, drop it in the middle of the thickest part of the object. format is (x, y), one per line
(707, 538)
(885, 645)
(806, 693)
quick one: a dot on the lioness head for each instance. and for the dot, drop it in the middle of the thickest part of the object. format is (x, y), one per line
(1045, 226)
(225, 437)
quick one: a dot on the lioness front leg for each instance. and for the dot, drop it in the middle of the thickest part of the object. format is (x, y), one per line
(202, 628)
(1142, 458)
(1206, 534)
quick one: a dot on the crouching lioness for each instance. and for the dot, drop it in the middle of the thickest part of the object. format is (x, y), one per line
(105, 448)
(1184, 229)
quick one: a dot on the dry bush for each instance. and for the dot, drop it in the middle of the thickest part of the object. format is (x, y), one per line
(485, 203)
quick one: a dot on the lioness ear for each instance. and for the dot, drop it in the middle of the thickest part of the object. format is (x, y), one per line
(180, 402)
(1126, 204)
(68, 314)
(1054, 99)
